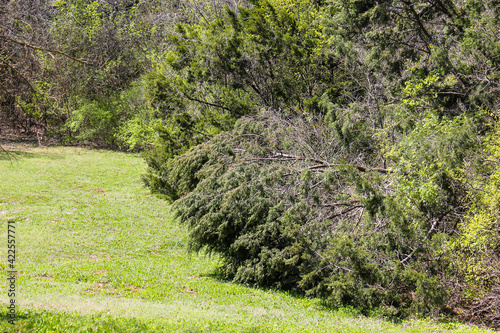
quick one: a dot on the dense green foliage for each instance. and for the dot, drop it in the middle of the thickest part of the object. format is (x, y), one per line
(352, 189)
(346, 149)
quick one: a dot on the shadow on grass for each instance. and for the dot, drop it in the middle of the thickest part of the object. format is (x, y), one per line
(15, 155)
(4, 317)
(322, 304)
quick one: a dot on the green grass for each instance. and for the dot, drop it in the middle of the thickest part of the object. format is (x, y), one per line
(97, 253)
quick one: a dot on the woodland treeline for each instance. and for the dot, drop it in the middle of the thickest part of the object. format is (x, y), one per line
(342, 149)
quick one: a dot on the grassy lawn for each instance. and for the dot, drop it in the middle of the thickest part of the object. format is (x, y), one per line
(96, 252)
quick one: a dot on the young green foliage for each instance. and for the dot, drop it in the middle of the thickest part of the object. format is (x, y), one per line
(477, 248)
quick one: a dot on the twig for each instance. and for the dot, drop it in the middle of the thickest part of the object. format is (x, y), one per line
(420, 245)
(345, 211)
(7, 153)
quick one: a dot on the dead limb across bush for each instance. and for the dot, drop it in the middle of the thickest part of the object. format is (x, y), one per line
(323, 164)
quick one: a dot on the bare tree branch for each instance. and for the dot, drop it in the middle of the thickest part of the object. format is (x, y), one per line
(323, 164)
(34, 47)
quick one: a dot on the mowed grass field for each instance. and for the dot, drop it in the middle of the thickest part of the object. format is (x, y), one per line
(96, 252)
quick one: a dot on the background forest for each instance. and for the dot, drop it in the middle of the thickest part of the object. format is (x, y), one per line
(342, 149)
